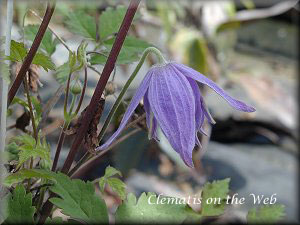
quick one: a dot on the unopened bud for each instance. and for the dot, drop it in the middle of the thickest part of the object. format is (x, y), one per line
(76, 87)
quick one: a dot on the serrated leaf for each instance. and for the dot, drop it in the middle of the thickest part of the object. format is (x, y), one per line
(110, 21)
(79, 22)
(48, 42)
(146, 210)
(43, 61)
(129, 53)
(117, 186)
(20, 102)
(214, 197)
(111, 171)
(28, 173)
(79, 200)
(29, 148)
(24, 139)
(266, 214)
(26, 152)
(19, 207)
(62, 73)
(17, 51)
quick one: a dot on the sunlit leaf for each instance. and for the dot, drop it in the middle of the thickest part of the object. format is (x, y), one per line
(43, 61)
(214, 197)
(81, 23)
(116, 184)
(147, 210)
(266, 214)
(62, 72)
(17, 51)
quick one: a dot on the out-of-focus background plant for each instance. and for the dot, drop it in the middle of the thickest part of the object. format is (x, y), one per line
(247, 47)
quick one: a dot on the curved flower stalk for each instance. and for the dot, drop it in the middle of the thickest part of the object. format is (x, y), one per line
(173, 102)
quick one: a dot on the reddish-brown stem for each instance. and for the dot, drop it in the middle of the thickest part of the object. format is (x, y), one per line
(92, 108)
(108, 68)
(34, 47)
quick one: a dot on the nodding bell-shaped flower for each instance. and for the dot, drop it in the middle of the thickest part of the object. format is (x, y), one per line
(173, 102)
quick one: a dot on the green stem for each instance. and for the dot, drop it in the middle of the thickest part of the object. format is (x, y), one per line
(87, 156)
(74, 97)
(126, 86)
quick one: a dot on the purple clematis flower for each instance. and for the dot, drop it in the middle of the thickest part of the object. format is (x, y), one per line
(173, 102)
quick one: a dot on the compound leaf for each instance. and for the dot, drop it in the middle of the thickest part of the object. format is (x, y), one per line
(79, 200)
(266, 214)
(28, 173)
(149, 209)
(19, 207)
(214, 197)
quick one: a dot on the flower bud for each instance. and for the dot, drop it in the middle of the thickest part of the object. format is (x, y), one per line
(76, 87)
(110, 88)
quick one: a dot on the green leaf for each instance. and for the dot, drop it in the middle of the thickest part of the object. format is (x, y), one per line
(79, 200)
(129, 53)
(266, 214)
(28, 148)
(44, 61)
(117, 186)
(146, 210)
(19, 207)
(110, 21)
(20, 102)
(79, 22)
(48, 43)
(26, 152)
(62, 72)
(214, 197)
(27, 173)
(111, 171)
(17, 51)
(24, 139)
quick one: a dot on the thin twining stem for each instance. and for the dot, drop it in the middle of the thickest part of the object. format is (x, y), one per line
(90, 162)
